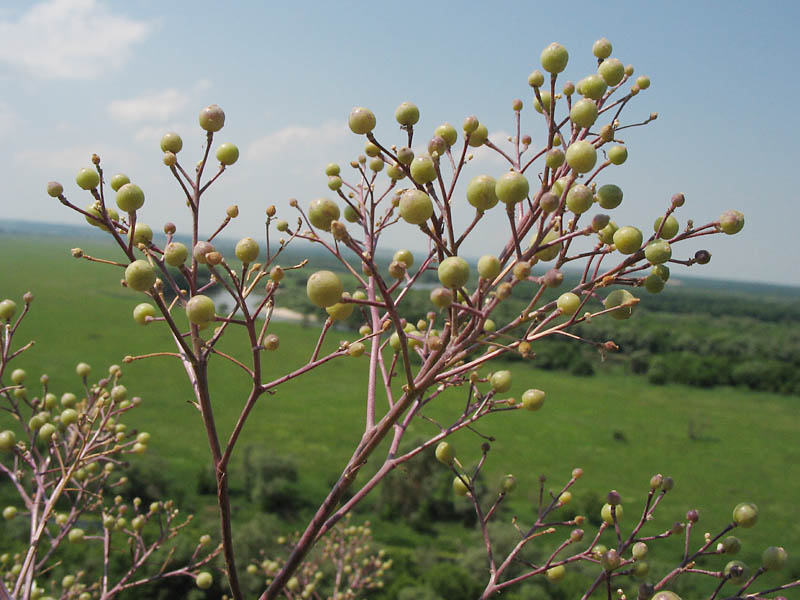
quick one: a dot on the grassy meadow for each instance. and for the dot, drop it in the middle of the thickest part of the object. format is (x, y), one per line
(617, 427)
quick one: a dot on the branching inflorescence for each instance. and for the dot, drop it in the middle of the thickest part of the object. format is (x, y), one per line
(547, 194)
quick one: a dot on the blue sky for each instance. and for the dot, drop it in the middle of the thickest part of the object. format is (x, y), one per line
(83, 76)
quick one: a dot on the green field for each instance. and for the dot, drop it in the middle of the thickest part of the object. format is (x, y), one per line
(742, 447)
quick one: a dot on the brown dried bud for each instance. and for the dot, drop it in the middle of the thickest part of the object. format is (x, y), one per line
(607, 133)
(678, 200)
(27, 297)
(693, 516)
(524, 349)
(339, 231)
(271, 342)
(271, 210)
(577, 473)
(613, 498)
(576, 535)
(521, 270)
(553, 278)
(293, 202)
(526, 140)
(503, 290)
(232, 211)
(277, 273)
(77, 253)
(213, 258)
(95, 159)
(169, 228)
(397, 269)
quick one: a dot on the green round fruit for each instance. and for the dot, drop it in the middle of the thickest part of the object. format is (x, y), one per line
(731, 222)
(665, 595)
(7, 440)
(204, 580)
(341, 310)
(405, 156)
(356, 349)
(606, 234)
(568, 303)
(670, 228)
(478, 137)
(54, 189)
(593, 87)
(579, 198)
(500, 381)
(601, 48)
(745, 514)
(139, 275)
(639, 550)
(662, 271)
(583, 113)
(46, 432)
(618, 298)
(772, 559)
(488, 267)
(445, 453)
(734, 566)
(422, 169)
(75, 536)
(376, 165)
(536, 79)
(658, 252)
(87, 178)
(543, 106)
(211, 118)
(511, 188)
(175, 254)
(521, 270)
(453, 272)
(130, 198)
(447, 132)
(416, 206)
(581, 156)
(628, 240)
(407, 114)
(351, 214)
(142, 311)
(554, 158)
(118, 180)
(554, 574)
(7, 309)
(549, 253)
(334, 182)
(441, 297)
(69, 416)
(361, 120)
(247, 250)
(606, 515)
(612, 71)
(533, 399)
(324, 288)
(459, 487)
(142, 234)
(227, 153)
(549, 202)
(643, 82)
(395, 172)
(332, 170)
(554, 58)
(609, 196)
(653, 283)
(322, 211)
(171, 142)
(94, 209)
(481, 192)
(200, 310)
(405, 257)
(617, 155)
(68, 400)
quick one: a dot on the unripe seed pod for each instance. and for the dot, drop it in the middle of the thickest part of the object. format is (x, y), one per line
(445, 453)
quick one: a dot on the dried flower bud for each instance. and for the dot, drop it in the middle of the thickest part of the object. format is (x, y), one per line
(95, 159)
(169, 228)
(77, 253)
(213, 258)
(613, 498)
(271, 210)
(232, 211)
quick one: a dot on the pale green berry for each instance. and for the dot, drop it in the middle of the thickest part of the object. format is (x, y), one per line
(568, 303)
(47, 431)
(670, 228)
(579, 198)
(512, 187)
(227, 154)
(554, 574)
(405, 257)
(140, 276)
(9, 512)
(500, 381)
(549, 253)
(142, 312)
(204, 580)
(171, 142)
(18, 376)
(324, 288)
(445, 453)
(609, 196)
(607, 516)
(361, 120)
(247, 250)
(617, 155)
(376, 165)
(601, 48)
(323, 211)
(334, 183)
(351, 214)
(653, 283)
(481, 192)
(395, 172)
(745, 514)
(416, 206)
(200, 310)
(371, 150)
(447, 132)
(68, 400)
(618, 298)
(130, 198)
(422, 169)
(536, 79)
(87, 178)
(583, 113)
(731, 222)
(211, 118)
(405, 156)
(356, 349)
(407, 114)
(75, 536)
(662, 271)
(453, 272)
(488, 267)
(7, 309)
(533, 399)
(175, 254)
(581, 156)
(593, 87)
(628, 239)
(643, 82)
(54, 189)
(554, 158)
(459, 487)
(478, 137)
(658, 252)
(142, 234)
(554, 58)
(441, 297)
(341, 310)
(118, 180)
(332, 170)
(7, 440)
(543, 106)
(606, 234)
(470, 124)
(612, 71)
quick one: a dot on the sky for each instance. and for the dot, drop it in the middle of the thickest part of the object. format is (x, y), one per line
(86, 76)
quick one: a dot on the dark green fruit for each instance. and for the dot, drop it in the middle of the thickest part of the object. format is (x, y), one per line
(628, 240)
(407, 114)
(665, 595)
(658, 252)
(609, 196)
(416, 206)
(140, 276)
(453, 272)
(554, 58)
(211, 118)
(653, 283)
(774, 558)
(579, 198)
(731, 545)
(581, 156)
(737, 571)
(361, 120)
(324, 288)
(731, 222)
(662, 271)
(130, 197)
(322, 211)
(619, 298)
(745, 514)
(481, 192)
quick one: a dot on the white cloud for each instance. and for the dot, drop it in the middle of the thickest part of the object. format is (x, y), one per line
(151, 106)
(298, 139)
(69, 39)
